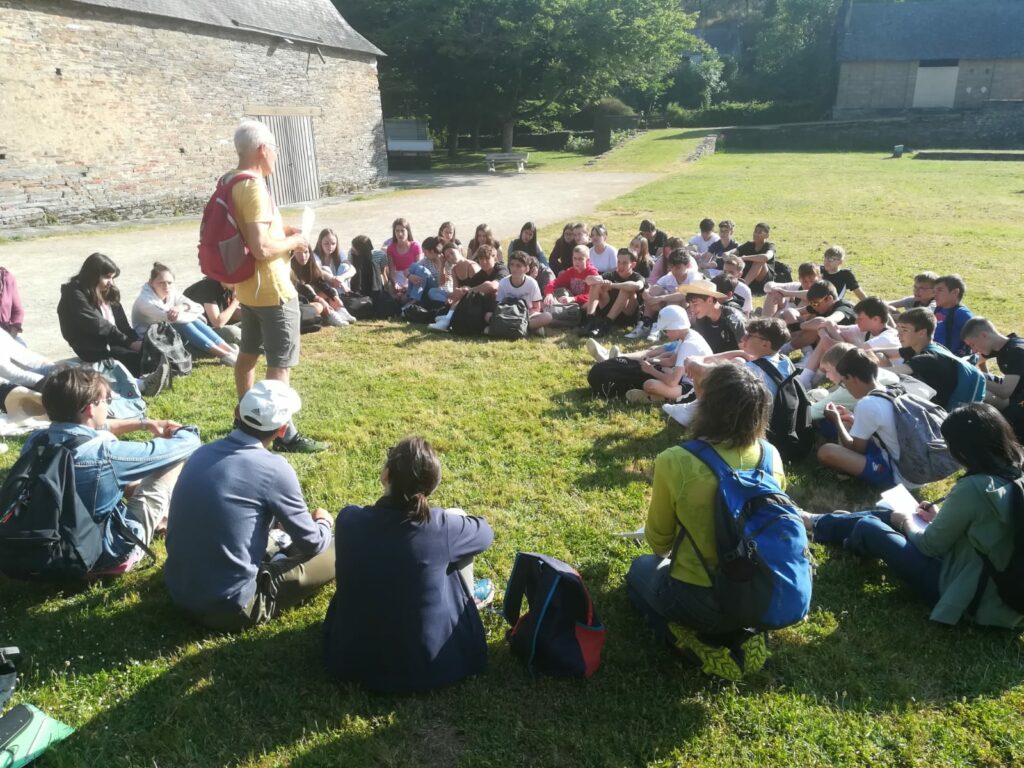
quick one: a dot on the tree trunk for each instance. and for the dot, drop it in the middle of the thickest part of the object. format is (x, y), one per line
(507, 131)
(453, 136)
(476, 135)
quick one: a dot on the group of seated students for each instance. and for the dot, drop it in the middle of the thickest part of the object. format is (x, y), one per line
(243, 544)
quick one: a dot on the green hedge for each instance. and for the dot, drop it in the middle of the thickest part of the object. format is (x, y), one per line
(745, 113)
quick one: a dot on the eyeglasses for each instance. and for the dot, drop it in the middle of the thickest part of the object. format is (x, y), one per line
(108, 400)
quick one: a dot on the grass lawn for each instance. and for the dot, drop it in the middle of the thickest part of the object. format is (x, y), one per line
(866, 680)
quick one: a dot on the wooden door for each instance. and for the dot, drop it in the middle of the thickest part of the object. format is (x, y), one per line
(295, 178)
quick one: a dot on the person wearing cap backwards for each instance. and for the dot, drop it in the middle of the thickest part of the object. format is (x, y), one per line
(721, 326)
(222, 565)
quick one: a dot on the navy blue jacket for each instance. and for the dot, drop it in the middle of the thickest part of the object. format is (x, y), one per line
(401, 619)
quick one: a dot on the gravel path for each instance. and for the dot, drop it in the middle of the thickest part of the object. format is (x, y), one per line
(504, 201)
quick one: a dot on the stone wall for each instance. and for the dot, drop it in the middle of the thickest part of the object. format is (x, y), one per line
(108, 115)
(997, 125)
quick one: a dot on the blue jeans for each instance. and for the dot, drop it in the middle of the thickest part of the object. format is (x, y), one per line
(869, 534)
(664, 599)
(198, 335)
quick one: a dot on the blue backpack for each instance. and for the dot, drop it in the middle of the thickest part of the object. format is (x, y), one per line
(970, 381)
(560, 634)
(763, 579)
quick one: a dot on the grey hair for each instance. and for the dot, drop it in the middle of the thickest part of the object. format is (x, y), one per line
(250, 135)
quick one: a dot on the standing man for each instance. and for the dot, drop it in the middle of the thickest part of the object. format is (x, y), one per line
(268, 301)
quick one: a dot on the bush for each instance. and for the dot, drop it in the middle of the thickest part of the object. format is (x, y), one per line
(745, 113)
(620, 136)
(580, 144)
(612, 106)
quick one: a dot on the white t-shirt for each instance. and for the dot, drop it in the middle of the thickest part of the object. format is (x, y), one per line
(529, 291)
(670, 284)
(887, 338)
(604, 261)
(693, 344)
(874, 418)
(743, 291)
(701, 244)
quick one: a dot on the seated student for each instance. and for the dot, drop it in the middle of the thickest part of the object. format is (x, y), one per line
(1007, 392)
(659, 370)
(539, 272)
(333, 263)
(20, 366)
(660, 267)
(159, 301)
(369, 279)
(868, 447)
(663, 293)
(954, 380)
(614, 296)
(726, 285)
(644, 260)
(789, 300)
(677, 597)
(418, 561)
(942, 562)
(843, 279)
(428, 276)
(123, 479)
(519, 285)
(484, 282)
(703, 240)
(871, 331)
(561, 252)
(602, 255)
(402, 251)
(220, 307)
(446, 236)
(823, 307)
(722, 327)
(527, 243)
(314, 291)
(761, 342)
(838, 394)
(718, 249)
(92, 320)
(571, 283)
(951, 314)
(759, 254)
(484, 236)
(656, 239)
(732, 266)
(12, 312)
(222, 566)
(923, 294)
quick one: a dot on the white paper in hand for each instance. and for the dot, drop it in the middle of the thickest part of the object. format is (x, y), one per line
(308, 219)
(899, 499)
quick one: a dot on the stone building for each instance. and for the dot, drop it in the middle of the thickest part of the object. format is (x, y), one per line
(116, 109)
(938, 55)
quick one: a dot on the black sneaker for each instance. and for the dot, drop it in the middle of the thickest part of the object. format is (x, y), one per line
(152, 384)
(299, 444)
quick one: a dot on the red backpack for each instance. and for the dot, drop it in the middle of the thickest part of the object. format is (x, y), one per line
(223, 254)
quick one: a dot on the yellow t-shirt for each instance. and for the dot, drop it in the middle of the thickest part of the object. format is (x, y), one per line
(684, 489)
(271, 284)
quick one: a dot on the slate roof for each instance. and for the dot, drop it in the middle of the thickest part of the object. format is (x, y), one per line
(311, 21)
(944, 29)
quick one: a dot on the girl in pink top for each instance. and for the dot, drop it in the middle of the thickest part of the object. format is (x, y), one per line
(402, 252)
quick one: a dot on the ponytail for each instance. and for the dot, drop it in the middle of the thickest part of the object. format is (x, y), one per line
(414, 472)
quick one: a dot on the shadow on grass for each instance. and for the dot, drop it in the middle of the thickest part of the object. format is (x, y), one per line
(689, 133)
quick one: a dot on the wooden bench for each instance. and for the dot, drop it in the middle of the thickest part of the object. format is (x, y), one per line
(519, 158)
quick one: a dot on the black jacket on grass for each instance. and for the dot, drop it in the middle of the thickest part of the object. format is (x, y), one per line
(90, 334)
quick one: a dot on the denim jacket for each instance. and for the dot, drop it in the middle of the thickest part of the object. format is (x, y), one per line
(104, 466)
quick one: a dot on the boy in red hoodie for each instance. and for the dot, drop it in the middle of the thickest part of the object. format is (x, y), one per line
(571, 284)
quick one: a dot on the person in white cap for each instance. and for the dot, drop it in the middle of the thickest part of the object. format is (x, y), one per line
(223, 566)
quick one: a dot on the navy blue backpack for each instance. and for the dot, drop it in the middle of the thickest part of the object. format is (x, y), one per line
(560, 634)
(763, 579)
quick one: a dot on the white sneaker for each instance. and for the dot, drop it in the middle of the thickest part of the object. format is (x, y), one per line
(333, 318)
(654, 334)
(614, 352)
(638, 332)
(346, 315)
(442, 323)
(599, 353)
(229, 360)
(681, 412)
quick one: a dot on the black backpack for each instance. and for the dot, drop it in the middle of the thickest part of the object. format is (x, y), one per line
(359, 306)
(560, 634)
(1009, 581)
(468, 319)
(510, 320)
(418, 314)
(790, 429)
(783, 274)
(163, 342)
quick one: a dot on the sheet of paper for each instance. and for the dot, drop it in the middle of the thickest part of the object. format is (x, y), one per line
(899, 499)
(637, 535)
(308, 219)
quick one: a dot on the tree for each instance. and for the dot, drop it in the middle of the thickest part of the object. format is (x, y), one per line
(510, 60)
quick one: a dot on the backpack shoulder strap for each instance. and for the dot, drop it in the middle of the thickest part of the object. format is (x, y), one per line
(515, 590)
(718, 466)
(773, 373)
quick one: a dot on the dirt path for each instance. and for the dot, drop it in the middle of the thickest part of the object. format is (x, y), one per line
(504, 201)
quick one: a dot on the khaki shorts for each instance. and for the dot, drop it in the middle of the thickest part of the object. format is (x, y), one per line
(274, 329)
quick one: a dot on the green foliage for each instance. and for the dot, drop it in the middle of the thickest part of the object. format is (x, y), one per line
(743, 113)
(580, 144)
(610, 105)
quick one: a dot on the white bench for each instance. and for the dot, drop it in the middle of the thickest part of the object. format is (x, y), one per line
(519, 158)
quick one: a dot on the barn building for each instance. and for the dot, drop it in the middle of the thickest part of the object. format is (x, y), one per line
(939, 55)
(118, 109)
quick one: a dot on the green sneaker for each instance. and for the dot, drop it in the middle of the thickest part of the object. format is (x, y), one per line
(299, 444)
(754, 652)
(714, 659)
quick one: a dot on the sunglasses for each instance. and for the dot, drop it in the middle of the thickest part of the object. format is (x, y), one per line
(108, 400)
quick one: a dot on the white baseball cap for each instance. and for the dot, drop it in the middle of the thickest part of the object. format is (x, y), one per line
(269, 405)
(673, 318)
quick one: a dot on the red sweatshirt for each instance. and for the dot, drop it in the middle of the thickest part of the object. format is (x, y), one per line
(573, 280)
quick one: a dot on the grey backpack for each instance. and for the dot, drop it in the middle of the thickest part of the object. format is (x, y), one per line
(924, 456)
(510, 320)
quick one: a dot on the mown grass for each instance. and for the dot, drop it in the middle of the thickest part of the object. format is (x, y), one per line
(866, 680)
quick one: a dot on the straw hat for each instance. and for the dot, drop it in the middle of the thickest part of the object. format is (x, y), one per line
(701, 288)
(23, 403)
